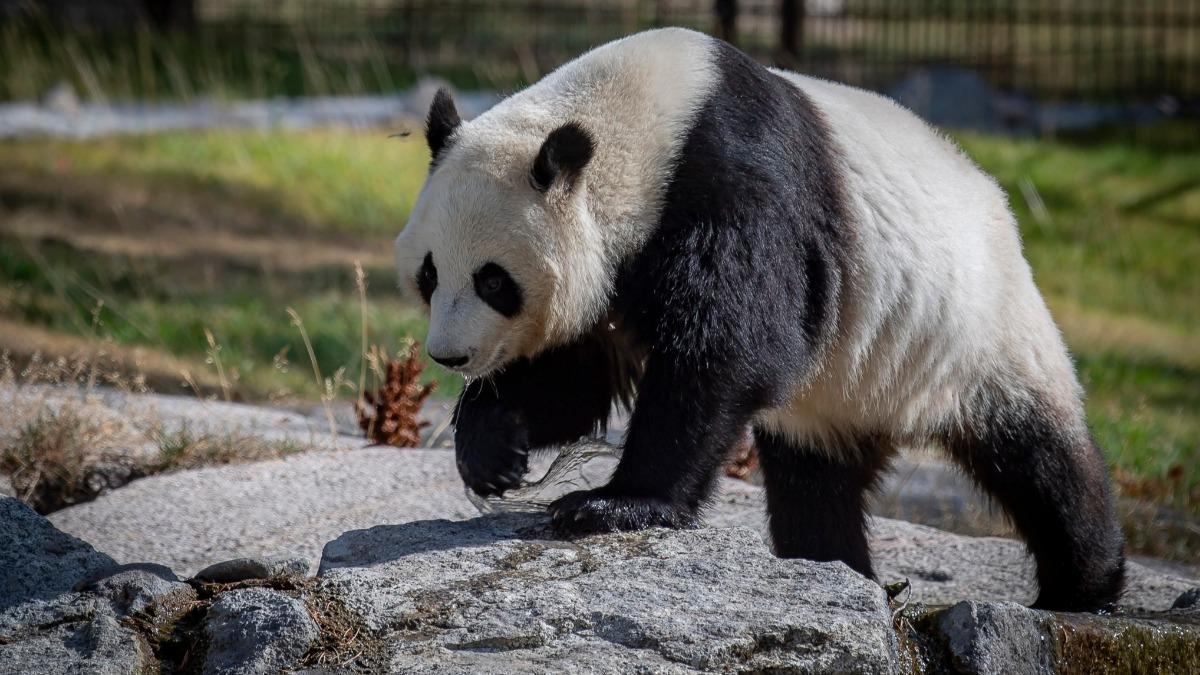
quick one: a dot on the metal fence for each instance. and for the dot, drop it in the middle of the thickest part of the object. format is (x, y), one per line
(1097, 50)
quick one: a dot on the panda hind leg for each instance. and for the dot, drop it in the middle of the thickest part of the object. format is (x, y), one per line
(816, 500)
(1047, 473)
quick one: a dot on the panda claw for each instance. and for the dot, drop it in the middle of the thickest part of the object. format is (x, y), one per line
(595, 511)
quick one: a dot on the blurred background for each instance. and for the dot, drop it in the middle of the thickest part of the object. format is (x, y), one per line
(198, 196)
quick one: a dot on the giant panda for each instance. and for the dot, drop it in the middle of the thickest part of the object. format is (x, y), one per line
(666, 224)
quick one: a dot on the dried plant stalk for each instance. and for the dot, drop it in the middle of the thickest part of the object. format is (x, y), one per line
(389, 415)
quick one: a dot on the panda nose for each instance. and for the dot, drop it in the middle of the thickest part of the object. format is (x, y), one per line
(450, 361)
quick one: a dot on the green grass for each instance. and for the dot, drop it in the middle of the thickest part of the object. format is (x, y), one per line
(313, 189)
(1114, 251)
(326, 181)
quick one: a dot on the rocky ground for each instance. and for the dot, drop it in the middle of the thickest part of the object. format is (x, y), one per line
(348, 558)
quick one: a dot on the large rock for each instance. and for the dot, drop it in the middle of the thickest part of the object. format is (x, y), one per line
(38, 562)
(995, 638)
(495, 594)
(193, 519)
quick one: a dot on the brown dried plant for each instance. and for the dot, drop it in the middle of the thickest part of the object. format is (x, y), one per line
(743, 461)
(389, 415)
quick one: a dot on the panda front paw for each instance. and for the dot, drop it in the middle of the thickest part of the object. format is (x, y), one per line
(494, 474)
(491, 448)
(594, 511)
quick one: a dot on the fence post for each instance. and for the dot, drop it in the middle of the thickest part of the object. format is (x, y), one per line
(791, 30)
(725, 12)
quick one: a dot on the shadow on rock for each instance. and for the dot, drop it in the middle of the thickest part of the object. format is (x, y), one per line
(386, 543)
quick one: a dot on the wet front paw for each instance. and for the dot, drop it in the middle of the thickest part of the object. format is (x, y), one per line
(592, 511)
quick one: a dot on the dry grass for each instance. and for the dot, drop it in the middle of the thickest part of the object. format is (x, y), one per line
(60, 444)
(62, 458)
(51, 461)
(181, 449)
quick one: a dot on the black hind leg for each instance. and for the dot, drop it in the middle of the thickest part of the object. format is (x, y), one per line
(817, 504)
(1038, 460)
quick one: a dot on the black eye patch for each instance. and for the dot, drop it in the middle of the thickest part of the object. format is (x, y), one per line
(427, 278)
(495, 287)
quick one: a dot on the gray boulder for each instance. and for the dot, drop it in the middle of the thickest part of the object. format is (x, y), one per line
(496, 594)
(38, 562)
(257, 630)
(996, 638)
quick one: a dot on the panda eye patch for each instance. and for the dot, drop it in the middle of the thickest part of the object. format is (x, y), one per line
(496, 287)
(427, 279)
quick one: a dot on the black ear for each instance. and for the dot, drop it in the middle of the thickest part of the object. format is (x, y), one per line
(442, 121)
(563, 155)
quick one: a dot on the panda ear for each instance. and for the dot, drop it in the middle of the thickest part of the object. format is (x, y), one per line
(563, 155)
(442, 121)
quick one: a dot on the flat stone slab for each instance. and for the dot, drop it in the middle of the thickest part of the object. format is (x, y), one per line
(193, 519)
(495, 594)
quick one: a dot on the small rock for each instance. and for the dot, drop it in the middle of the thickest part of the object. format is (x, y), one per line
(144, 589)
(37, 562)
(256, 630)
(75, 633)
(6, 487)
(244, 569)
(1000, 637)
(1189, 600)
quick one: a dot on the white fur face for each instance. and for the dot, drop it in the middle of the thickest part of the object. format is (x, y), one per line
(561, 246)
(476, 215)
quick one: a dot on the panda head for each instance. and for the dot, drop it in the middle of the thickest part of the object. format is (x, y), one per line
(501, 247)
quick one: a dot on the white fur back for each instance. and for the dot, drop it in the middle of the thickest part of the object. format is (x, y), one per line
(939, 302)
